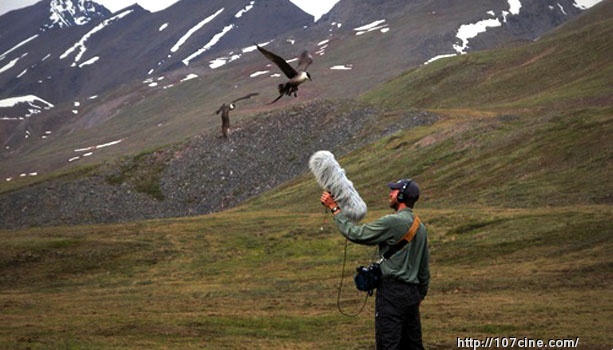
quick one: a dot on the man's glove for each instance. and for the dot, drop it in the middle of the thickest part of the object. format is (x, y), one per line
(328, 201)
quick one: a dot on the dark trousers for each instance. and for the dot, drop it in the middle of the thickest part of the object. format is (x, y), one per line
(397, 322)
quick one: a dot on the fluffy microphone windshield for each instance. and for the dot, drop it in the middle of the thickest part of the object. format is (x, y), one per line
(331, 177)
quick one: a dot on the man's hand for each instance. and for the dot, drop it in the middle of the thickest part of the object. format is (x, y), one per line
(328, 201)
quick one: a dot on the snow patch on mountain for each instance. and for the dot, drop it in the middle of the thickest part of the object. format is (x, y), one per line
(80, 46)
(585, 4)
(436, 58)
(31, 99)
(33, 105)
(240, 13)
(342, 67)
(89, 151)
(221, 61)
(3, 56)
(89, 62)
(260, 72)
(23, 72)
(90, 148)
(15, 60)
(33, 173)
(217, 37)
(471, 30)
(189, 77)
(214, 40)
(9, 65)
(376, 25)
(194, 29)
(514, 7)
(66, 13)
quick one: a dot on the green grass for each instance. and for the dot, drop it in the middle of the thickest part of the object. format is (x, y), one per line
(269, 279)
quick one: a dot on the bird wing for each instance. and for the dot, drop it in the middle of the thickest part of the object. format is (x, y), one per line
(304, 61)
(280, 62)
(246, 97)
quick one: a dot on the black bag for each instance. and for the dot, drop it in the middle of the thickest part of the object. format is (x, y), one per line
(368, 278)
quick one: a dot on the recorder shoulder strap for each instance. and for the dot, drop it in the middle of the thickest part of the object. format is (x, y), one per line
(405, 239)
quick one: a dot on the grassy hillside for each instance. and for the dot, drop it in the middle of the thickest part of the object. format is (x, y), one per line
(516, 197)
(527, 126)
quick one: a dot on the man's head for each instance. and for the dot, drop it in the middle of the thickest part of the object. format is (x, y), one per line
(403, 191)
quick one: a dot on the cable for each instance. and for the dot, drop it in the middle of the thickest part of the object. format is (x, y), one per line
(340, 288)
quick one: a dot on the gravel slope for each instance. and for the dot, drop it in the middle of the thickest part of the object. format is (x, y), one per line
(205, 174)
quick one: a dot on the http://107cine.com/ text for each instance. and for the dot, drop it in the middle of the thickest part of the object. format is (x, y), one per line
(515, 342)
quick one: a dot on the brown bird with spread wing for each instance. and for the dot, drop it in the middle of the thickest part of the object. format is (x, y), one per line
(296, 75)
(225, 113)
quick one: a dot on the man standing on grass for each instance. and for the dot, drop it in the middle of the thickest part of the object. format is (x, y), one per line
(406, 273)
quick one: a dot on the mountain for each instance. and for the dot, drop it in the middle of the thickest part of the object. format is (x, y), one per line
(86, 50)
(121, 83)
(496, 120)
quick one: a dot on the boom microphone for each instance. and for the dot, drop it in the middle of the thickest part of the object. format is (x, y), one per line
(331, 177)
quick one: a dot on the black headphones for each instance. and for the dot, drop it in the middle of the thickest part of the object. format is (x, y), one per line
(400, 196)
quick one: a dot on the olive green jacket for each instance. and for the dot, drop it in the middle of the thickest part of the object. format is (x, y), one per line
(410, 264)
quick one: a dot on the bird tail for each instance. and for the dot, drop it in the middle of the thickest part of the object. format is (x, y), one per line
(284, 89)
(276, 99)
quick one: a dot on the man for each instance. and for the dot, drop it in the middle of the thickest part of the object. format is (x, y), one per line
(406, 273)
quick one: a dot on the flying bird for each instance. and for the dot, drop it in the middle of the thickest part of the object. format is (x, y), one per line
(225, 113)
(296, 75)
